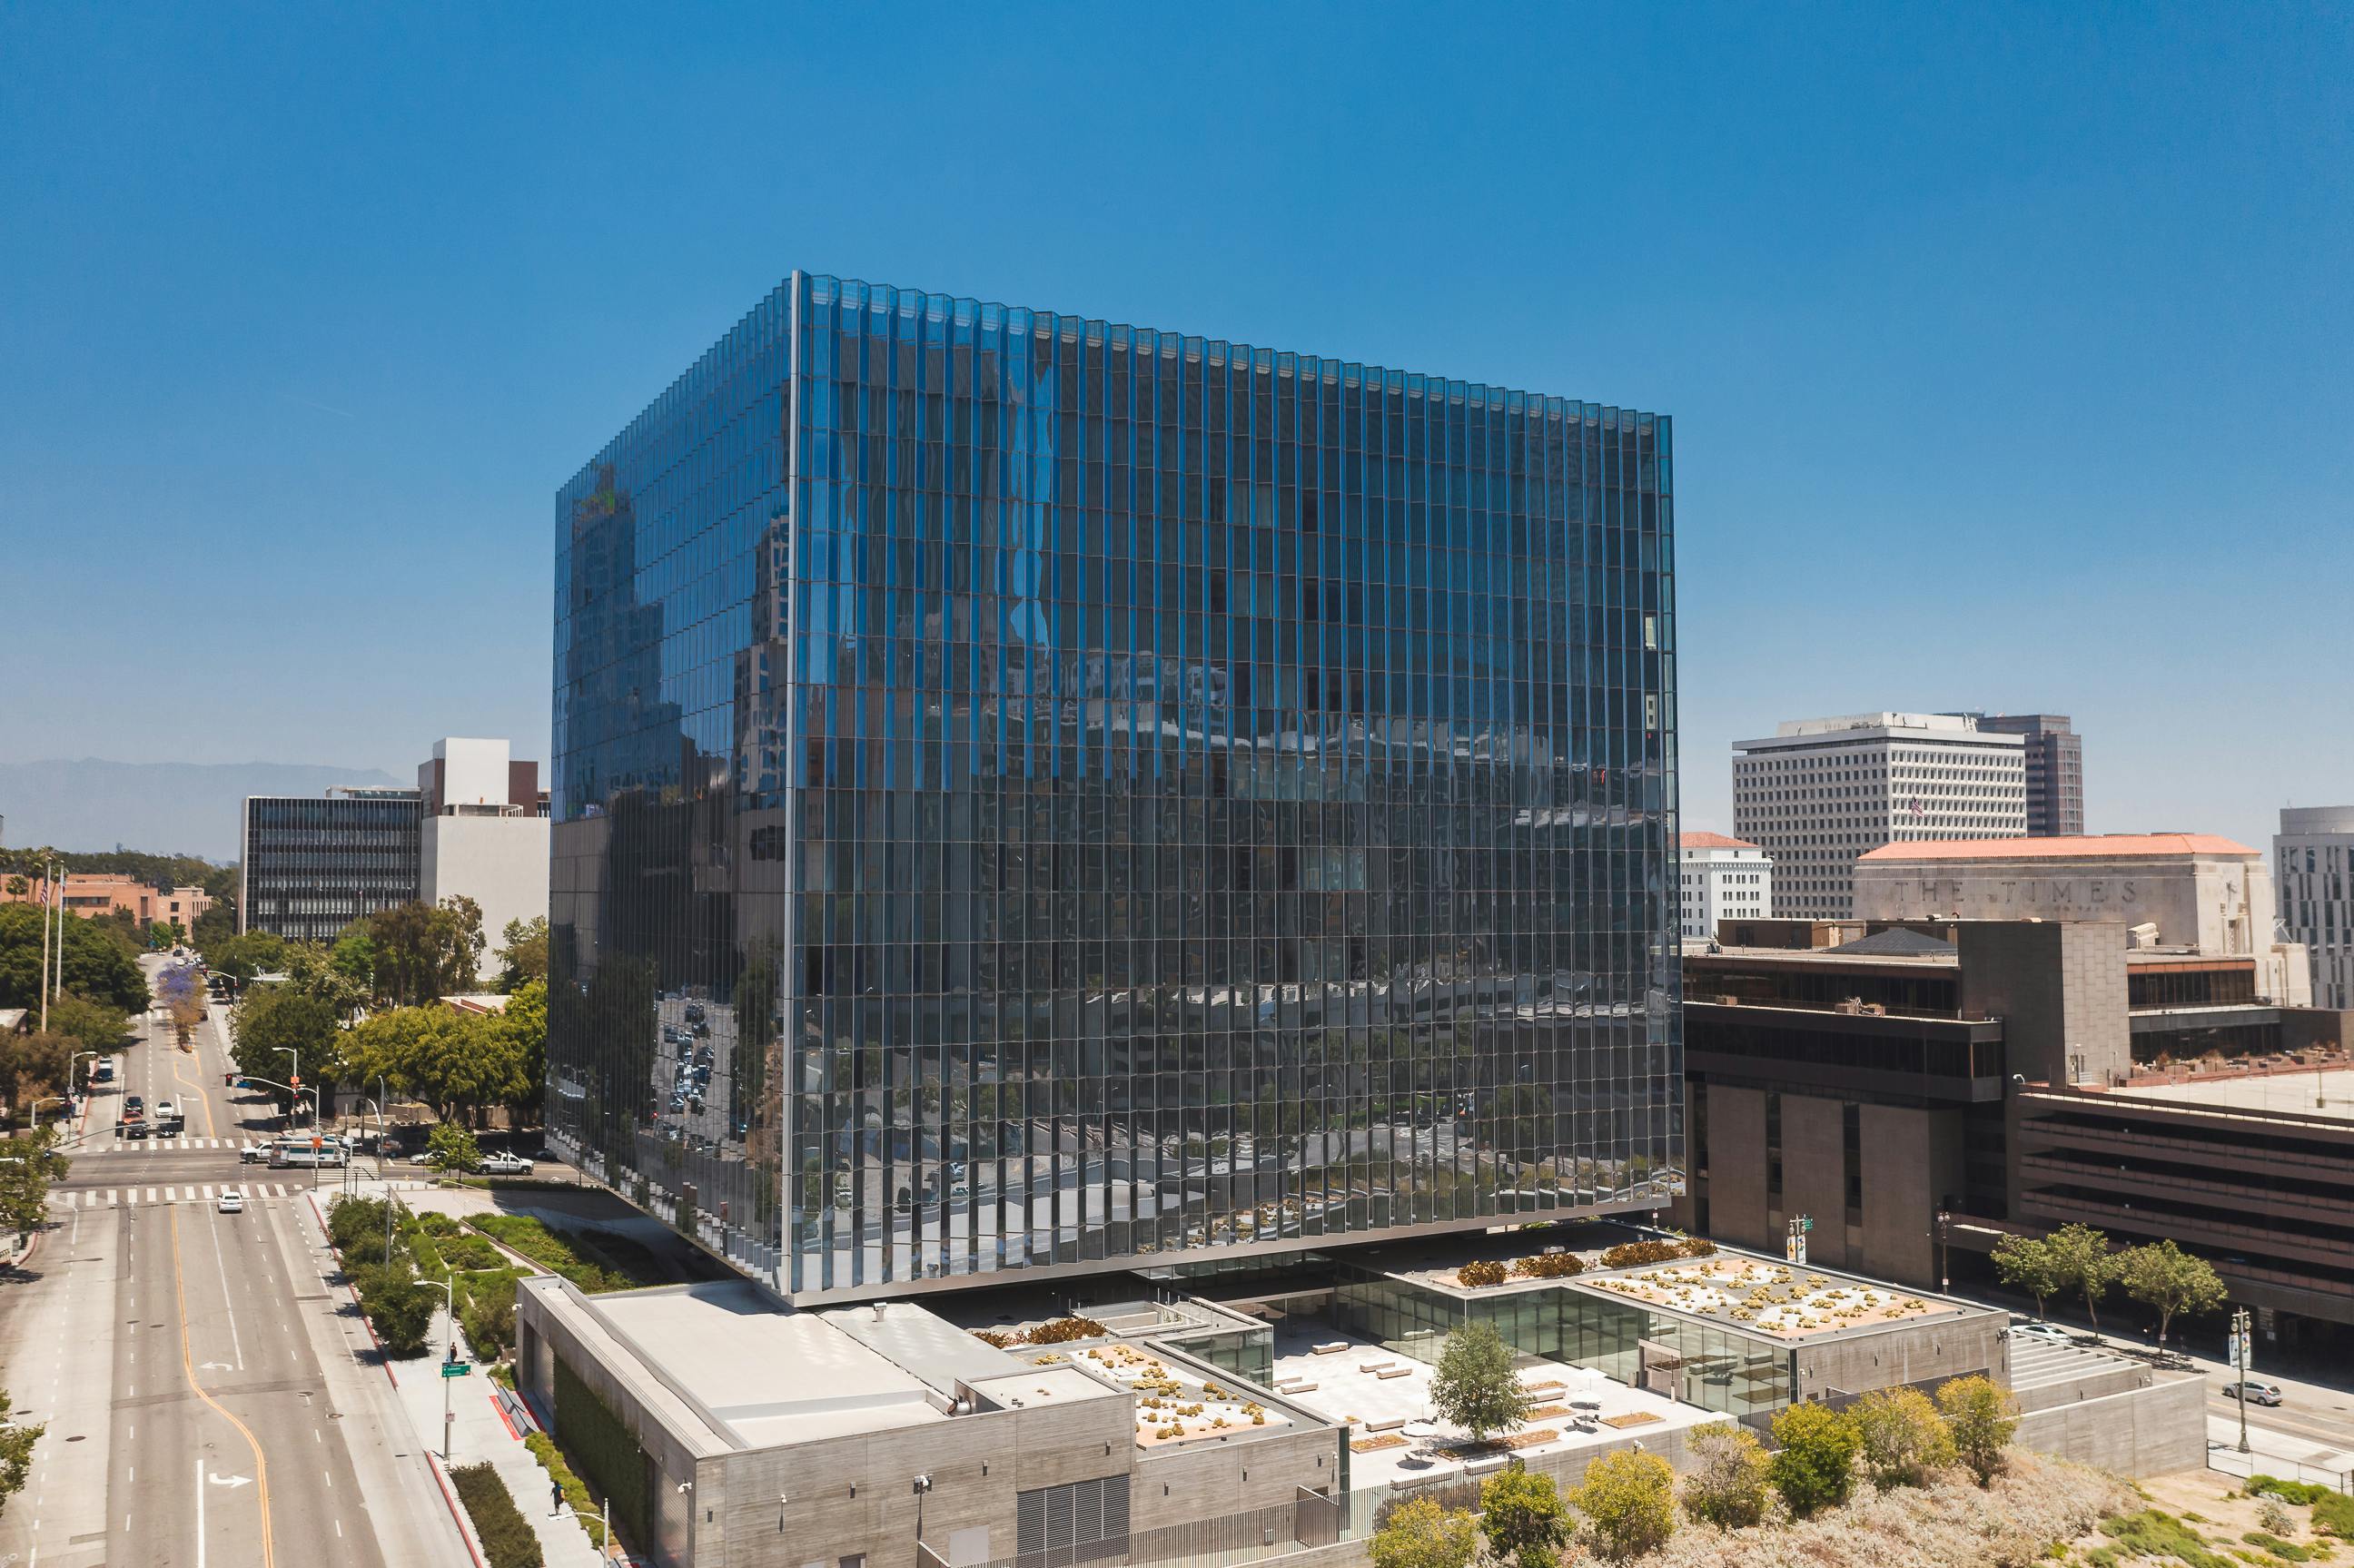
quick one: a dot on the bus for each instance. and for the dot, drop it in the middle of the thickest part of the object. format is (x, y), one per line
(296, 1149)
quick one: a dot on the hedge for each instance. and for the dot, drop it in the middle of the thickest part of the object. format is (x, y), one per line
(507, 1538)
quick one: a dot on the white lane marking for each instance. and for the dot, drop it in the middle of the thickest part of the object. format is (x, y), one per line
(200, 1513)
(339, 1530)
(220, 1266)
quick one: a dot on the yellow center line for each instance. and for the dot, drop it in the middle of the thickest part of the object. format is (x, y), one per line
(203, 1098)
(188, 1365)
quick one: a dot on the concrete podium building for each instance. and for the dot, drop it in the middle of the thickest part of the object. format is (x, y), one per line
(1034, 796)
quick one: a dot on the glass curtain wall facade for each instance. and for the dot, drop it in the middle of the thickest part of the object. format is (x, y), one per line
(312, 866)
(1036, 792)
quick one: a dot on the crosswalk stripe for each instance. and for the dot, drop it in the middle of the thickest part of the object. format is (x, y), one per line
(151, 1194)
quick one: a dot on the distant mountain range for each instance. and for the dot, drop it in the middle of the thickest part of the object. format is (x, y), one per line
(167, 808)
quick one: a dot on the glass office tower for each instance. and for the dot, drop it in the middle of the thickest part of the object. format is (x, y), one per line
(1039, 795)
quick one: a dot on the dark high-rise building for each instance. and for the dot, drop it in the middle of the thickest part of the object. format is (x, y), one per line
(311, 865)
(2055, 770)
(1035, 795)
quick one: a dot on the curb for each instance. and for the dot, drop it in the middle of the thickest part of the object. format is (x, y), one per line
(333, 1251)
(465, 1525)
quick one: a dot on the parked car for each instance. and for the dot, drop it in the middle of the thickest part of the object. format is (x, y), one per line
(2052, 1334)
(423, 1157)
(232, 1201)
(504, 1165)
(2254, 1392)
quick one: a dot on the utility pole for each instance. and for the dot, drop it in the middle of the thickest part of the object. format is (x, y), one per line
(2241, 1327)
(64, 876)
(49, 896)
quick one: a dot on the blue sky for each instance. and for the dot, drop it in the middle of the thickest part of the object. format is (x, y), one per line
(2011, 350)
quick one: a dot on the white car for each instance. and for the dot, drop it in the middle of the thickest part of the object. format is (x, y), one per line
(253, 1153)
(231, 1201)
(2052, 1334)
(504, 1165)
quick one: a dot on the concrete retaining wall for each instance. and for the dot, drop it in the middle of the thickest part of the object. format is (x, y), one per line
(2139, 1432)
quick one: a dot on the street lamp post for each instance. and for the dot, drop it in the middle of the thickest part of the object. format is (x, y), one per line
(1945, 1255)
(605, 1527)
(449, 1357)
(45, 1100)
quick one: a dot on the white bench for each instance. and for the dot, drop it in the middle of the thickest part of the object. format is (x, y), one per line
(1330, 1347)
(1394, 1371)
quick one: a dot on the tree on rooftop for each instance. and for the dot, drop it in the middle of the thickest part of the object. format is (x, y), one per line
(1474, 1386)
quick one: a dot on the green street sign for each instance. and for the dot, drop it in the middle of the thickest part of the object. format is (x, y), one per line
(456, 1368)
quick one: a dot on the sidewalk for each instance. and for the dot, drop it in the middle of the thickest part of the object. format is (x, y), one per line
(479, 1431)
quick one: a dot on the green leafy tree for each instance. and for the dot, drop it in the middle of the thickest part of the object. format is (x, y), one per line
(273, 1019)
(424, 952)
(33, 1066)
(1814, 1460)
(523, 1029)
(453, 1147)
(1628, 1499)
(2029, 1264)
(399, 1305)
(1901, 1437)
(1474, 1386)
(2085, 1265)
(1522, 1515)
(91, 1025)
(1420, 1533)
(523, 953)
(27, 1167)
(17, 1441)
(2168, 1280)
(242, 957)
(1727, 1484)
(354, 957)
(1982, 1418)
(100, 961)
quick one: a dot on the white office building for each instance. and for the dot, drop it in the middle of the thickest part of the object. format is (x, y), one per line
(482, 834)
(1819, 792)
(2314, 857)
(1721, 878)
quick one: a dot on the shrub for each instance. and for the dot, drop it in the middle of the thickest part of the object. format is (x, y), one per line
(991, 1336)
(470, 1253)
(2333, 1514)
(551, 1458)
(2287, 1550)
(489, 1315)
(1901, 1437)
(1472, 1276)
(434, 1223)
(1982, 1418)
(2275, 1516)
(1520, 1514)
(2152, 1533)
(1637, 1254)
(2305, 1492)
(1726, 1485)
(1063, 1330)
(1697, 1247)
(1815, 1464)
(1420, 1533)
(1628, 1501)
(1549, 1266)
(506, 1535)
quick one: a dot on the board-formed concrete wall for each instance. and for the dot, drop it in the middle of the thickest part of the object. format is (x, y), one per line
(2141, 1432)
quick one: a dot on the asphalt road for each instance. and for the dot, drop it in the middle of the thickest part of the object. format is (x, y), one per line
(211, 1399)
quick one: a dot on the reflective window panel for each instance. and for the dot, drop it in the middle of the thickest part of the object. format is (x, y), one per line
(1033, 793)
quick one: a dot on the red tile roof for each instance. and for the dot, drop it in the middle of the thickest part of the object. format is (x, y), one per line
(1712, 841)
(2088, 846)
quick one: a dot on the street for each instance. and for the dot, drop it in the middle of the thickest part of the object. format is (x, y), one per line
(211, 1397)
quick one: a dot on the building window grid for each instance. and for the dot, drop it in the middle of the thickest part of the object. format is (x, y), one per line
(1343, 606)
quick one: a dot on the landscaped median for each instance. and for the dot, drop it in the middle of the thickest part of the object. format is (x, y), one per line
(592, 1260)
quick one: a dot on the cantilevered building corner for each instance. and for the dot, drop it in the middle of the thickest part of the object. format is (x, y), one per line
(1034, 796)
